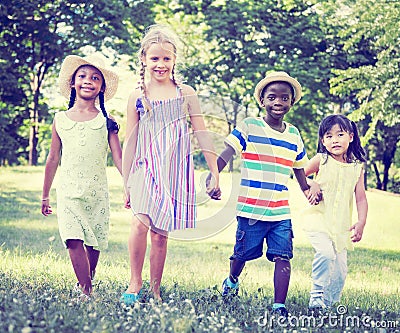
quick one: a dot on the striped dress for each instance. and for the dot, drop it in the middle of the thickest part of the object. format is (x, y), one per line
(162, 175)
(267, 159)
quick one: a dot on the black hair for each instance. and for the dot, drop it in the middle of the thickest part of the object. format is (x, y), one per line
(112, 125)
(355, 151)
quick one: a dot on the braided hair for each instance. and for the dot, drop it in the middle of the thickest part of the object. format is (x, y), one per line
(112, 125)
(155, 34)
(355, 151)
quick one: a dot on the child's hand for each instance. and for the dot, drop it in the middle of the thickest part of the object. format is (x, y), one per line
(314, 194)
(212, 185)
(358, 230)
(46, 208)
(127, 201)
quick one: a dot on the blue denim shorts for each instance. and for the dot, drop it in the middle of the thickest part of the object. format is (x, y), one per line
(250, 239)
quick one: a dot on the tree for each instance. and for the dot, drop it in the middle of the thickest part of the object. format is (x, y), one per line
(12, 115)
(385, 141)
(373, 87)
(243, 40)
(36, 35)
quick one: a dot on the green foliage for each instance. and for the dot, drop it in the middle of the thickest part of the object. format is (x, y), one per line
(375, 83)
(344, 53)
(243, 40)
(36, 35)
(371, 83)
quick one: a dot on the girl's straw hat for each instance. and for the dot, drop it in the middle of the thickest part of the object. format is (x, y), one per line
(274, 77)
(71, 64)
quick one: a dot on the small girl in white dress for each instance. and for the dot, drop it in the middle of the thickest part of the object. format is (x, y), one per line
(338, 165)
(80, 140)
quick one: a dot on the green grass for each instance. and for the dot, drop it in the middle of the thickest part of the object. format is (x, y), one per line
(36, 276)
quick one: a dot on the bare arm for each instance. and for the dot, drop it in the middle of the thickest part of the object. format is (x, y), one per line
(52, 162)
(202, 136)
(313, 165)
(224, 157)
(115, 147)
(314, 194)
(302, 180)
(222, 161)
(130, 143)
(362, 210)
(116, 151)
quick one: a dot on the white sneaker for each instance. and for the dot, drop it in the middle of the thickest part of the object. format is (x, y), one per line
(317, 303)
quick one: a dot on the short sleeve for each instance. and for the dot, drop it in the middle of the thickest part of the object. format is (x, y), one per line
(301, 157)
(237, 139)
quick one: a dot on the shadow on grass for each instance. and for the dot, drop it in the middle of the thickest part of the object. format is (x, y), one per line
(17, 204)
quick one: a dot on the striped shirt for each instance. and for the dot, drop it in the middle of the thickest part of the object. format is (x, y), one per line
(267, 160)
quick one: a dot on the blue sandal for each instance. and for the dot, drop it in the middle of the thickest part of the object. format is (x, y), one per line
(129, 299)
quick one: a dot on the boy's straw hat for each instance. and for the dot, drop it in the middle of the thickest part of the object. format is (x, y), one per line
(274, 77)
(71, 64)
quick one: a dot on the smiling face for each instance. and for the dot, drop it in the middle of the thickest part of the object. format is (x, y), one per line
(337, 141)
(88, 82)
(160, 60)
(277, 98)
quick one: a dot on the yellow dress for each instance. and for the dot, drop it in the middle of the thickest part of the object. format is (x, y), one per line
(82, 190)
(333, 215)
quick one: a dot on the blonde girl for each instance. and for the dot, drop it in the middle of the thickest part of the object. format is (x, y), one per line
(158, 171)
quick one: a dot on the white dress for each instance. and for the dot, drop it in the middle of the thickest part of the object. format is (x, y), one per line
(82, 193)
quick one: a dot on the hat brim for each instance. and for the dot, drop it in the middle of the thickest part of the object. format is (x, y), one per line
(277, 78)
(72, 62)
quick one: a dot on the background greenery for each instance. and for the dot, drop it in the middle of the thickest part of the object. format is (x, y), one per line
(36, 277)
(345, 53)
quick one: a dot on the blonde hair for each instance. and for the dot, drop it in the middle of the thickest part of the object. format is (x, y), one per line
(156, 34)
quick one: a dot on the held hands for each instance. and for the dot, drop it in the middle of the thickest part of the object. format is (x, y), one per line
(314, 193)
(212, 186)
(127, 200)
(46, 208)
(357, 230)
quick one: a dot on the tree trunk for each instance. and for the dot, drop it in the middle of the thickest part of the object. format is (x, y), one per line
(33, 138)
(388, 157)
(36, 83)
(378, 176)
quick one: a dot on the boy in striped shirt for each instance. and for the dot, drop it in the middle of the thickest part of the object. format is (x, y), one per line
(270, 149)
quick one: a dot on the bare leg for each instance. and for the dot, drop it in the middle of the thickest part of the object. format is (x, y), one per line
(236, 269)
(281, 279)
(158, 254)
(93, 257)
(80, 263)
(137, 244)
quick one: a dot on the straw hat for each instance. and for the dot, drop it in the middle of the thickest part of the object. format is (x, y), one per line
(275, 77)
(71, 64)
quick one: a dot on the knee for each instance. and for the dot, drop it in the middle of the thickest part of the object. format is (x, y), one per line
(326, 255)
(282, 264)
(73, 244)
(138, 225)
(158, 240)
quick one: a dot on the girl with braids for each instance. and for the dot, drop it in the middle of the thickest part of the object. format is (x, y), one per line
(80, 139)
(157, 163)
(339, 172)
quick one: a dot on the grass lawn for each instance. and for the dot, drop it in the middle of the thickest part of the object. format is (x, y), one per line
(36, 276)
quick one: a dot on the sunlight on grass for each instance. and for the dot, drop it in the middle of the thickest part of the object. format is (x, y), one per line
(36, 277)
